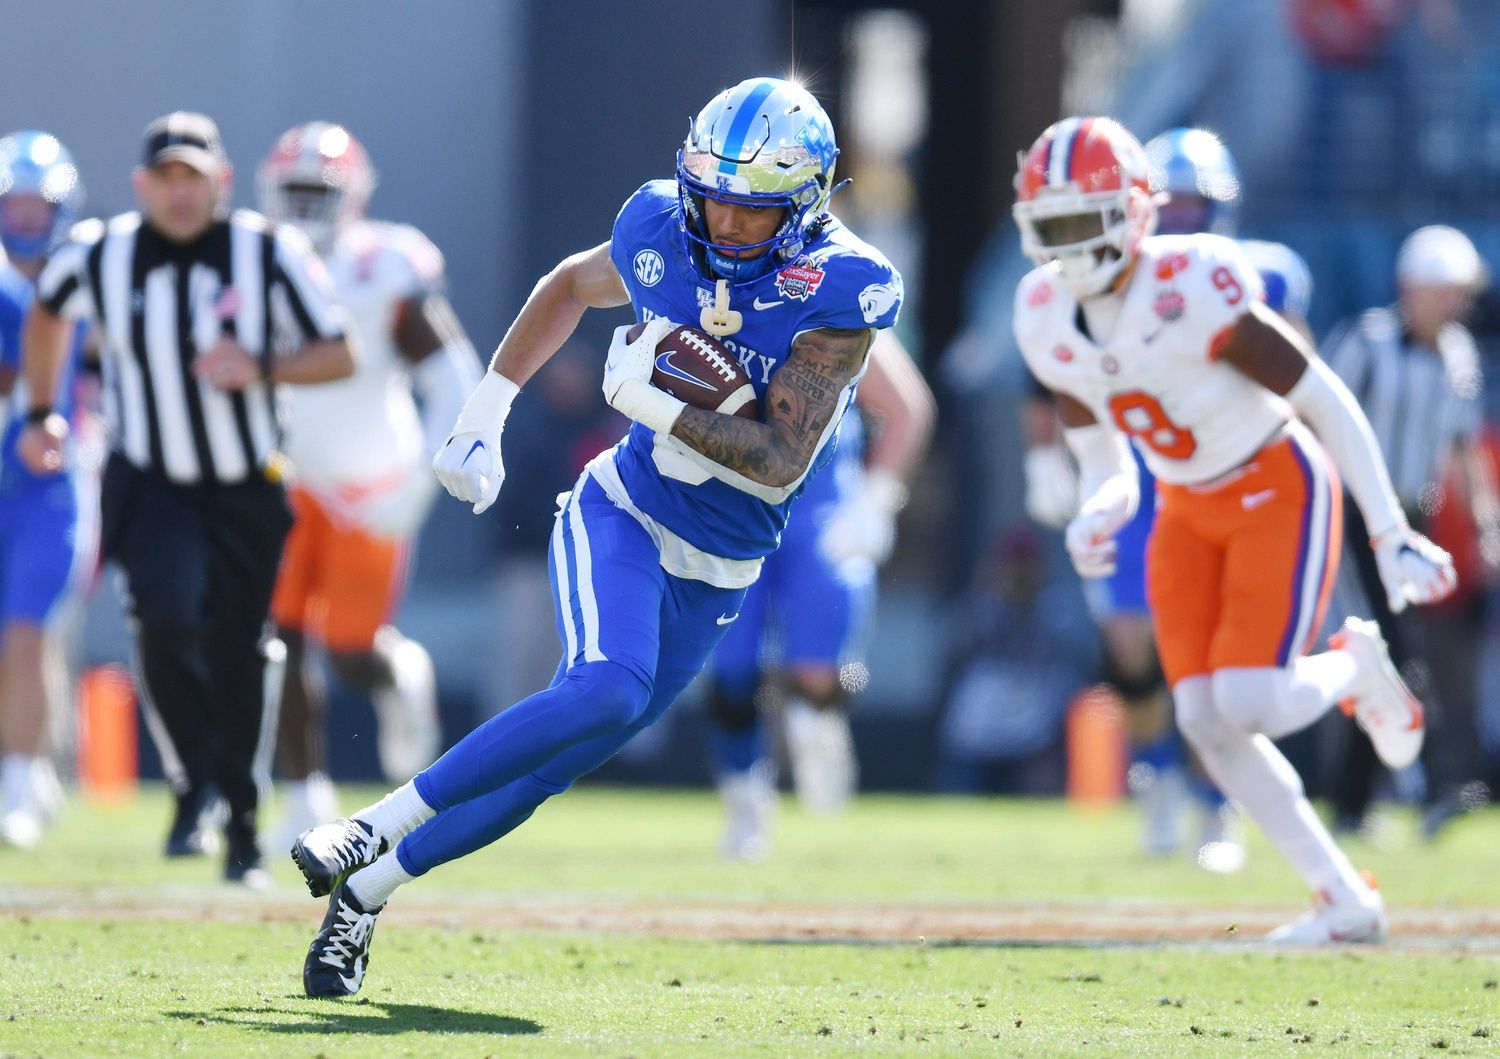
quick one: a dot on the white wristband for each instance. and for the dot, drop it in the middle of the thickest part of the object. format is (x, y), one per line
(485, 411)
(649, 406)
(885, 490)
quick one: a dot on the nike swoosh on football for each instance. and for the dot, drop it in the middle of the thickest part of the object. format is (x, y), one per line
(723, 620)
(666, 367)
(765, 305)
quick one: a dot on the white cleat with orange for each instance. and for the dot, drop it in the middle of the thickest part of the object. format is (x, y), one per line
(1383, 705)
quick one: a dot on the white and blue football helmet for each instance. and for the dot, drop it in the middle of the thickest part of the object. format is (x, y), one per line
(764, 142)
(1196, 172)
(35, 163)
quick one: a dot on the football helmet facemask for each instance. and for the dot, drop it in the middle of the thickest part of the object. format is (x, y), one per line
(1083, 200)
(317, 178)
(35, 163)
(1201, 183)
(765, 142)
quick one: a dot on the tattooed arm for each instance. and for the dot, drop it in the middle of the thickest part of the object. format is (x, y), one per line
(802, 398)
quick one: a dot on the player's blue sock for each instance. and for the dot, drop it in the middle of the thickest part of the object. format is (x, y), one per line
(1163, 753)
(1204, 792)
(592, 701)
(459, 831)
(738, 749)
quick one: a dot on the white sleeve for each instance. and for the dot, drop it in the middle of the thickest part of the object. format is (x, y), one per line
(443, 381)
(1325, 404)
(1108, 482)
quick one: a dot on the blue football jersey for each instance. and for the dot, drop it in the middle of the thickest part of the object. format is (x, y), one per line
(838, 281)
(16, 293)
(1287, 279)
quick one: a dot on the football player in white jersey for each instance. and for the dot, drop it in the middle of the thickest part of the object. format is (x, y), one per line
(1165, 342)
(360, 451)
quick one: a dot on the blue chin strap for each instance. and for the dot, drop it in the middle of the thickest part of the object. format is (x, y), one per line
(739, 269)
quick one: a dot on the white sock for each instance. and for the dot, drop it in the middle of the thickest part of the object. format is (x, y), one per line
(373, 885)
(1278, 702)
(398, 813)
(15, 781)
(1249, 769)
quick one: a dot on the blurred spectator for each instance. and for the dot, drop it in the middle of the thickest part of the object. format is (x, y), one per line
(1415, 370)
(1022, 645)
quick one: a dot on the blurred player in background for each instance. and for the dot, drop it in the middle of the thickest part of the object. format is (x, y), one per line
(1196, 184)
(1166, 341)
(653, 549)
(48, 523)
(361, 455)
(803, 623)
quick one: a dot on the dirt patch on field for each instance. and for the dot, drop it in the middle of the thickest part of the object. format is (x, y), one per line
(1040, 923)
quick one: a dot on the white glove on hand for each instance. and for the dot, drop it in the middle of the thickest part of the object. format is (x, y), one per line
(627, 378)
(399, 512)
(1090, 538)
(864, 525)
(1051, 485)
(1412, 568)
(469, 464)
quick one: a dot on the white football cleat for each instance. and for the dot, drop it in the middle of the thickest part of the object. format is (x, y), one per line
(1383, 705)
(824, 772)
(749, 805)
(21, 828)
(1330, 923)
(409, 734)
(1221, 849)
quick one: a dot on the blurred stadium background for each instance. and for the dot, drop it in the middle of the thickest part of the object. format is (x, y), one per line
(510, 131)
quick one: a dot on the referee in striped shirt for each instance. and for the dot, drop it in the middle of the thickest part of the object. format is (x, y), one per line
(1415, 370)
(201, 313)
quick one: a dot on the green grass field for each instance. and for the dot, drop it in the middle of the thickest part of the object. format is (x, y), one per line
(608, 926)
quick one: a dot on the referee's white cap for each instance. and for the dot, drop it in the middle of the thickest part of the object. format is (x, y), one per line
(1439, 256)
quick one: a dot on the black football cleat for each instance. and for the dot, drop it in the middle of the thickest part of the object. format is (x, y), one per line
(326, 854)
(339, 956)
(194, 825)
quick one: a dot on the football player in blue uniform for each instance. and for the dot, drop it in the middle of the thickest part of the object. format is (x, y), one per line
(803, 623)
(1198, 187)
(654, 547)
(47, 522)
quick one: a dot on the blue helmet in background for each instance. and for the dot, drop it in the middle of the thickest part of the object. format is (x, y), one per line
(765, 142)
(1200, 179)
(35, 163)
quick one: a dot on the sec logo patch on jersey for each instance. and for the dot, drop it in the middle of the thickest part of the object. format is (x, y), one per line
(697, 369)
(649, 267)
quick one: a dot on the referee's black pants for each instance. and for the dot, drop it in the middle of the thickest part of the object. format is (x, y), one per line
(200, 564)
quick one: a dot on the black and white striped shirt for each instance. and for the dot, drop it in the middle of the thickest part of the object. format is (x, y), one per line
(1421, 402)
(156, 305)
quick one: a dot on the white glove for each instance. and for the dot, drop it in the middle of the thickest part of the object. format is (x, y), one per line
(469, 463)
(1412, 568)
(1090, 538)
(399, 511)
(864, 525)
(1051, 485)
(627, 378)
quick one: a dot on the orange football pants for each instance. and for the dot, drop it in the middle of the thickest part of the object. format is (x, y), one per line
(1239, 570)
(337, 583)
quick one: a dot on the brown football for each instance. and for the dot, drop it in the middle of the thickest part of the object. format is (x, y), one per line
(694, 367)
